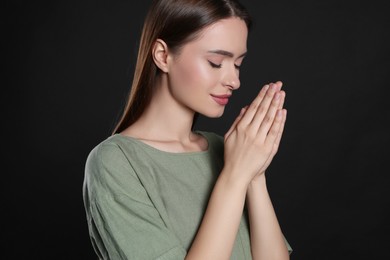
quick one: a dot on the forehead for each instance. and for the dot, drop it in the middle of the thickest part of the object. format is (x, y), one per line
(228, 34)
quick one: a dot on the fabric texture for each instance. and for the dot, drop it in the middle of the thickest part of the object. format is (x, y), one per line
(144, 203)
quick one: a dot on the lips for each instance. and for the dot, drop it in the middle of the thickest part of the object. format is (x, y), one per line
(221, 99)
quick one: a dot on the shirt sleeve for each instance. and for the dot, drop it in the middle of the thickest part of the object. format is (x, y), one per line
(122, 220)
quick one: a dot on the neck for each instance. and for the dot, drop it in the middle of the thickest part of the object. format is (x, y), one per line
(164, 119)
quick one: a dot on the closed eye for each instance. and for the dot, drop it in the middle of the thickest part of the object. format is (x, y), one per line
(216, 66)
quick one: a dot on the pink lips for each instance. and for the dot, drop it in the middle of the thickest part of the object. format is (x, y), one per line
(221, 99)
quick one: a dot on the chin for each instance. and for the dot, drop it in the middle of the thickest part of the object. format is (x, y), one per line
(213, 114)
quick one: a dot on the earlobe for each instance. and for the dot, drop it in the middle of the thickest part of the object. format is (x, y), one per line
(160, 55)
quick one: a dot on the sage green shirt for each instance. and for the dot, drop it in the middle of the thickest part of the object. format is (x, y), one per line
(144, 203)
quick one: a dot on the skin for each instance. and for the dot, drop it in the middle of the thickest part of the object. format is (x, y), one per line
(188, 84)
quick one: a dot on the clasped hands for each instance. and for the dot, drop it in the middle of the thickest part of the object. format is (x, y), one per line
(254, 137)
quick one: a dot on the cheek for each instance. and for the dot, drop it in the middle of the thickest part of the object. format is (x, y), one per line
(195, 74)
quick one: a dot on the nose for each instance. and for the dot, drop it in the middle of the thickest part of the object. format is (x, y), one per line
(231, 79)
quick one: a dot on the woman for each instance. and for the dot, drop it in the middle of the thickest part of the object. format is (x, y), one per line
(156, 189)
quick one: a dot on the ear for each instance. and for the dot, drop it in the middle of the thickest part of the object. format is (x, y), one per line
(160, 55)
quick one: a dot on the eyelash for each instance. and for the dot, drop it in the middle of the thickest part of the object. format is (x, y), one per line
(218, 66)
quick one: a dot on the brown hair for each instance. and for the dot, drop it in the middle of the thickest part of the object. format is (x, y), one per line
(176, 22)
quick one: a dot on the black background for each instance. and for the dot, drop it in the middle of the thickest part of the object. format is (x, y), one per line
(68, 69)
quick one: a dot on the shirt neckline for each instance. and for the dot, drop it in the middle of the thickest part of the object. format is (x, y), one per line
(154, 149)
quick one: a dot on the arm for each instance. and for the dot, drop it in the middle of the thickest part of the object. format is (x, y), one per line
(123, 221)
(267, 241)
(249, 146)
(217, 233)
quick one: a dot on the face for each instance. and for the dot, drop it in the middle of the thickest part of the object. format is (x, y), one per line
(205, 73)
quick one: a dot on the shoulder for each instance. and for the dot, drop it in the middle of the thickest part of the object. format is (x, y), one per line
(105, 153)
(109, 167)
(107, 158)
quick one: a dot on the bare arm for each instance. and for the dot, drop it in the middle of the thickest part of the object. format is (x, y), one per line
(217, 233)
(249, 146)
(267, 241)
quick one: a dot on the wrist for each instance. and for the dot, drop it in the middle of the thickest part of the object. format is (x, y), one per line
(259, 179)
(233, 180)
(258, 183)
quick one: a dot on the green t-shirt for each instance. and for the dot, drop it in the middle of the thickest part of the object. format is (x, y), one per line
(144, 203)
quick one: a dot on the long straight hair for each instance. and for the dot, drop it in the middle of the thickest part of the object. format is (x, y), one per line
(176, 22)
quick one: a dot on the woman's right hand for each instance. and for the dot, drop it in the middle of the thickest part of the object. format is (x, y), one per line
(254, 136)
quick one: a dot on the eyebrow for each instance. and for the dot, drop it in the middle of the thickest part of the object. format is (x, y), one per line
(226, 53)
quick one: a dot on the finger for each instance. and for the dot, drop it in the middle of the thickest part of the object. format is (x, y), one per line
(238, 118)
(258, 109)
(278, 138)
(265, 116)
(279, 88)
(281, 129)
(274, 131)
(279, 84)
(282, 99)
(251, 111)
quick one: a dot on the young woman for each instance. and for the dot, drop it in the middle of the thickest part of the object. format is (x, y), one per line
(157, 189)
